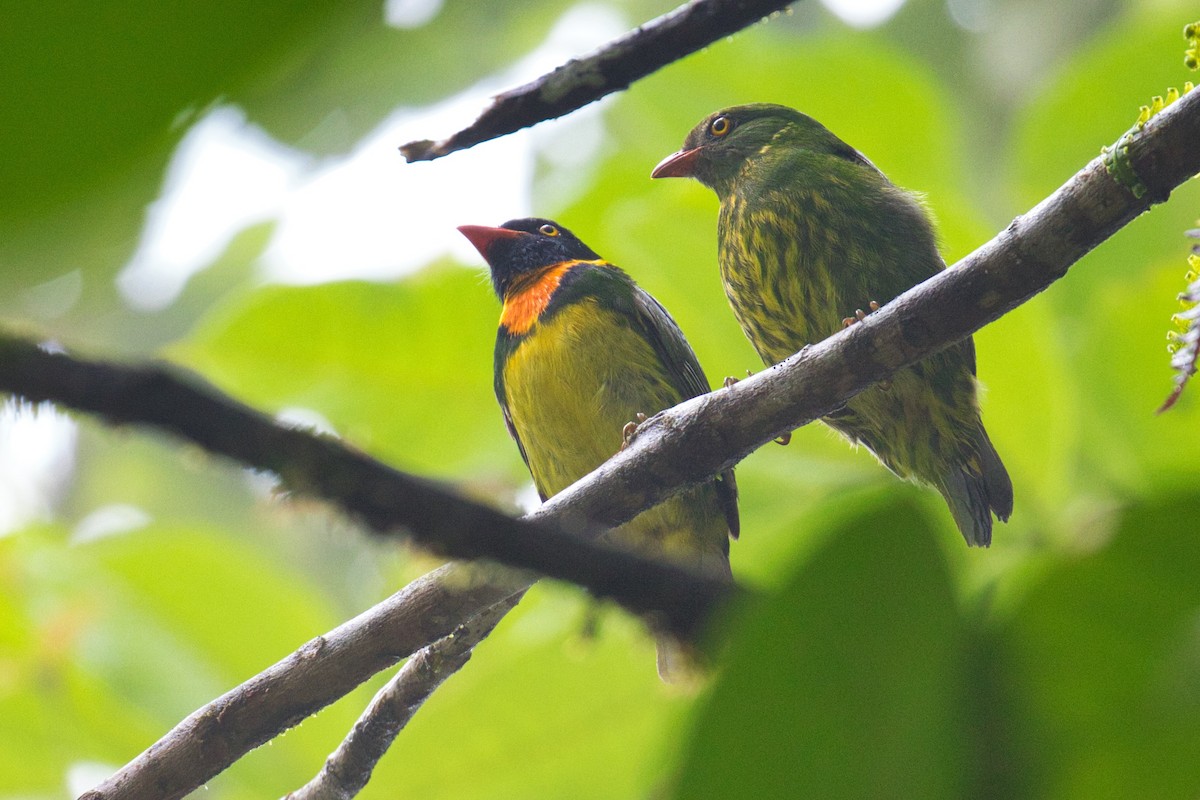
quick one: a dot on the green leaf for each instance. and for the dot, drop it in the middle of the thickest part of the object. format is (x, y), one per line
(216, 594)
(360, 70)
(96, 97)
(848, 682)
(97, 85)
(1099, 666)
(56, 707)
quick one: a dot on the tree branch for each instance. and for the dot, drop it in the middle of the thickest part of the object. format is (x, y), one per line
(349, 768)
(386, 499)
(683, 445)
(212, 738)
(615, 66)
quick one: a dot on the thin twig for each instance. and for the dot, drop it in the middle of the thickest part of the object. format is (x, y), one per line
(211, 738)
(348, 768)
(615, 66)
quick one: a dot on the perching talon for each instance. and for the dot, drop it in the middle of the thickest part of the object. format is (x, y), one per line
(859, 314)
(630, 430)
(785, 439)
(730, 380)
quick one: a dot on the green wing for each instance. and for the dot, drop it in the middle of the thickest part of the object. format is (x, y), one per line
(506, 343)
(686, 374)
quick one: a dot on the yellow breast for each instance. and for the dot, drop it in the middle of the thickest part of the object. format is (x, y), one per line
(573, 384)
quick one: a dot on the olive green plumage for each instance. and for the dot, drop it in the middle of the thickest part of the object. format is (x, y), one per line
(582, 350)
(809, 231)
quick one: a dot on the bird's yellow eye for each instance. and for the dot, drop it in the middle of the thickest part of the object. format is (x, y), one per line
(548, 230)
(720, 126)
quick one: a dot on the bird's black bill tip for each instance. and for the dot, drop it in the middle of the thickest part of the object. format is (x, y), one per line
(677, 165)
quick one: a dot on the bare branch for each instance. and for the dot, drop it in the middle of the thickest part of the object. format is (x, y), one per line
(349, 768)
(387, 500)
(323, 670)
(615, 66)
(683, 445)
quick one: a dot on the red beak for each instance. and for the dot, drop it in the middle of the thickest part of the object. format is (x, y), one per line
(484, 237)
(677, 165)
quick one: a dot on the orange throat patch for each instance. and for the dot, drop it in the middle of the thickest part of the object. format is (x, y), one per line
(529, 298)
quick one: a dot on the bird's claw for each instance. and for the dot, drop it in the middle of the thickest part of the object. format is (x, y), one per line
(785, 439)
(730, 380)
(860, 315)
(630, 430)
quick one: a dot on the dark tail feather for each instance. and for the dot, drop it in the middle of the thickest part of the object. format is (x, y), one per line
(975, 491)
(680, 663)
(999, 485)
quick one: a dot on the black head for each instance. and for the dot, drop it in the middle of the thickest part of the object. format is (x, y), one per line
(521, 246)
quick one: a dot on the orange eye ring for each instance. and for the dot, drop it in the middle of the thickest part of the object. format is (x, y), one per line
(548, 230)
(720, 126)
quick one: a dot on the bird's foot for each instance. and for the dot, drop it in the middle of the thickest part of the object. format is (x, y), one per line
(860, 315)
(785, 439)
(730, 380)
(630, 430)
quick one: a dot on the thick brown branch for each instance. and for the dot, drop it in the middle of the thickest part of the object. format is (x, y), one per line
(614, 67)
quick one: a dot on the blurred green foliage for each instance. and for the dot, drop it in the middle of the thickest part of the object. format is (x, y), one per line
(883, 658)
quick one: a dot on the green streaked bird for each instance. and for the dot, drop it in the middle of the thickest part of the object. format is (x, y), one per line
(810, 230)
(581, 351)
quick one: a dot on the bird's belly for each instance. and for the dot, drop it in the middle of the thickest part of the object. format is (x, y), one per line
(572, 387)
(792, 277)
(787, 287)
(924, 419)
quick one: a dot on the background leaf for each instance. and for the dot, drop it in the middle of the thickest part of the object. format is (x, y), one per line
(149, 577)
(850, 681)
